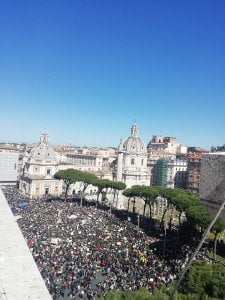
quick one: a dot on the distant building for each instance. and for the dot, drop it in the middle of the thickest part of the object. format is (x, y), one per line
(177, 173)
(170, 173)
(212, 181)
(38, 166)
(167, 144)
(218, 148)
(193, 168)
(161, 169)
(99, 161)
(8, 167)
(153, 157)
(131, 165)
(166, 155)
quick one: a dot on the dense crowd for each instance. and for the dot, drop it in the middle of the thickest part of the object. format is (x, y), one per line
(83, 252)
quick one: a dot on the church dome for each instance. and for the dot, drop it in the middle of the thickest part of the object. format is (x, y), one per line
(43, 153)
(133, 143)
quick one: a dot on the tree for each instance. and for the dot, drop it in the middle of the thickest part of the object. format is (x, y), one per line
(141, 294)
(128, 193)
(68, 176)
(205, 280)
(144, 294)
(184, 201)
(101, 184)
(198, 217)
(117, 186)
(169, 195)
(149, 195)
(87, 179)
(218, 227)
(133, 192)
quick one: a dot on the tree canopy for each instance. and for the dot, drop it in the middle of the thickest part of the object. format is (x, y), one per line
(198, 216)
(101, 184)
(68, 176)
(205, 279)
(86, 178)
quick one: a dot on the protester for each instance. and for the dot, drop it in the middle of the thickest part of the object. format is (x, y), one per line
(82, 253)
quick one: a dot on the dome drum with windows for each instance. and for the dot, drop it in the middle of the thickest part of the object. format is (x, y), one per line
(133, 143)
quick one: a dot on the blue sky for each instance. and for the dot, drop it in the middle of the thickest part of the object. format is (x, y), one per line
(87, 69)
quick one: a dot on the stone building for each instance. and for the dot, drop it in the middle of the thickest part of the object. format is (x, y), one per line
(131, 165)
(166, 144)
(193, 168)
(39, 168)
(170, 172)
(167, 161)
(212, 181)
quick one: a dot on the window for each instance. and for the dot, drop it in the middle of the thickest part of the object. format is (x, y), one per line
(142, 162)
(48, 171)
(132, 161)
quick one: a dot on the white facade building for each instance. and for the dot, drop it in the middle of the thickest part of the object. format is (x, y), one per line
(177, 173)
(132, 161)
(39, 169)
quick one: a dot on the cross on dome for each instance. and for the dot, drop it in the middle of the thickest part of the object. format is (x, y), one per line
(134, 130)
(44, 139)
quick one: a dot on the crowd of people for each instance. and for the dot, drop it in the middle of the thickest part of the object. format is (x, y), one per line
(84, 252)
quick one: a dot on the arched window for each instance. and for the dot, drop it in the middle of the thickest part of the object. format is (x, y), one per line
(142, 161)
(132, 161)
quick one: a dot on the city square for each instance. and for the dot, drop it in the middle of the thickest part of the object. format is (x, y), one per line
(112, 150)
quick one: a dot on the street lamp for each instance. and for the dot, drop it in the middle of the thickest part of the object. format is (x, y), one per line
(110, 209)
(138, 220)
(165, 227)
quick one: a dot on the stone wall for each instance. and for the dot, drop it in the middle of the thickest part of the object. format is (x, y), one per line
(212, 181)
(20, 278)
